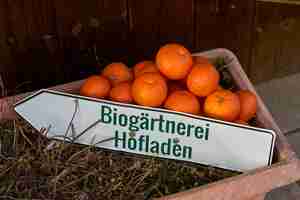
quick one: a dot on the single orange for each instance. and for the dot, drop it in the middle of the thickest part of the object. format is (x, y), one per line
(95, 86)
(222, 104)
(201, 60)
(149, 89)
(183, 101)
(121, 93)
(203, 79)
(174, 61)
(144, 67)
(241, 122)
(248, 104)
(117, 73)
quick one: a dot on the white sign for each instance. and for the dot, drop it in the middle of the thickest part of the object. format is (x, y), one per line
(148, 131)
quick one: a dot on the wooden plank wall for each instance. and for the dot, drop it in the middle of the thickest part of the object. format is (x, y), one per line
(7, 72)
(276, 41)
(52, 40)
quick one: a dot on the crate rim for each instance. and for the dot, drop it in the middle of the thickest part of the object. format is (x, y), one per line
(283, 172)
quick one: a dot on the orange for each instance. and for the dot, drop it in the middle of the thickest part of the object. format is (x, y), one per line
(183, 101)
(149, 89)
(144, 67)
(203, 79)
(174, 61)
(201, 60)
(121, 93)
(248, 104)
(241, 122)
(95, 86)
(117, 73)
(222, 104)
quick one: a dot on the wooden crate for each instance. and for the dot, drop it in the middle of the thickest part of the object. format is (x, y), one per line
(251, 185)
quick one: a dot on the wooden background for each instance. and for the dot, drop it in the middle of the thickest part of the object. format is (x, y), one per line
(48, 42)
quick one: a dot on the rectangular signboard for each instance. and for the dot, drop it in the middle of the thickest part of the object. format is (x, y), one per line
(149, 131)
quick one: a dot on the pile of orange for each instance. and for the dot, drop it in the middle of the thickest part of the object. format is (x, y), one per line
(175, 81)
